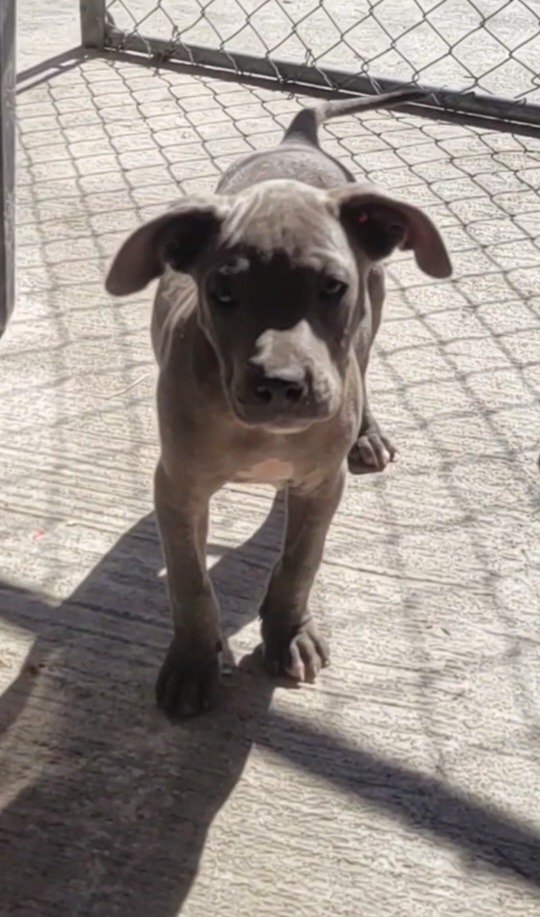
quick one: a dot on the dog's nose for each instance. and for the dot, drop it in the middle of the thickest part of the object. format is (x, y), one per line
(282, 390)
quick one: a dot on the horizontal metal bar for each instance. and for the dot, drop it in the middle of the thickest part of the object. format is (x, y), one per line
(231, 76)
(301, 76)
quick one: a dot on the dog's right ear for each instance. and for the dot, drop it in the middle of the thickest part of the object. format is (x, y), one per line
(176, 239)
(380, 223)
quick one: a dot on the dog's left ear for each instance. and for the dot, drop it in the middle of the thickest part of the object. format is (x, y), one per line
(176, 239)
(379, 223)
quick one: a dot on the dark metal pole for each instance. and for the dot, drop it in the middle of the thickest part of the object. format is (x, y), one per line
(92, 13)
(7, 161)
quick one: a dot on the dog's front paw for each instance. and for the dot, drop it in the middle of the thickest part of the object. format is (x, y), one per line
(188, 682)
(297, 651)
(372, 452)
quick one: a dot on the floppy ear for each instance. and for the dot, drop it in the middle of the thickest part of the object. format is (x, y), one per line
(379, 223)
(174, 239)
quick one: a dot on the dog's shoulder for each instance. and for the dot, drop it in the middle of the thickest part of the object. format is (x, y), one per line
(310, 165)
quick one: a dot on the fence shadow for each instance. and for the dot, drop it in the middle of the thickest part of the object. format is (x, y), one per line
(109, 805)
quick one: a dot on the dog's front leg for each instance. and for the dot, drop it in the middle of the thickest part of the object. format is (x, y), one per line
(373, 449)
(189, 678)
(291, 641)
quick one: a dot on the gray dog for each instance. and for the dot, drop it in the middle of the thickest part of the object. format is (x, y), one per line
(270, 296)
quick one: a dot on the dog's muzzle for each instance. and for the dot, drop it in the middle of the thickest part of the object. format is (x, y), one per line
(284, 398)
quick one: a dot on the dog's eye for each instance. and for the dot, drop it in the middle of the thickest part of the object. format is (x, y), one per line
(222, 294)
(332, 288)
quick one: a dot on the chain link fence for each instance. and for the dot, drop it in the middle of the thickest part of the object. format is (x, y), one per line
(475, 57)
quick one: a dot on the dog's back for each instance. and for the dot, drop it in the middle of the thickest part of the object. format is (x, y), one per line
(298, 156)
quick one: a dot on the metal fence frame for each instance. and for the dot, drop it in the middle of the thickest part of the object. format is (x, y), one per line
(7, 161)
(99, 32)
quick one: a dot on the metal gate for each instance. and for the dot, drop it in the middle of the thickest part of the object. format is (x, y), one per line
(474, 58)
(7, 160)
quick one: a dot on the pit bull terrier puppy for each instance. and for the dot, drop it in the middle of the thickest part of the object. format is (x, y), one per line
(269, 299)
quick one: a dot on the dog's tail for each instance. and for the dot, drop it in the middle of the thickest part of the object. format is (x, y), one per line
(304, 126)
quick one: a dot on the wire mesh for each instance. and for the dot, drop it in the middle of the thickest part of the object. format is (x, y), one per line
(463, 47)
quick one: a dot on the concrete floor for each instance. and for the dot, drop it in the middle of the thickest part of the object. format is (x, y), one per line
(406, 783)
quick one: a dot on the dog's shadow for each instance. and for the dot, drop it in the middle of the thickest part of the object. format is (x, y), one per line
(110, 803)
(107, 805)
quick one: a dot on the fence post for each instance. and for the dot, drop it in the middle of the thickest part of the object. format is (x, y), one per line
(92, 15)
(7, 161)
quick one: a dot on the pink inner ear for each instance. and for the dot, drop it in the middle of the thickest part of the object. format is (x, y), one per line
(362, 217)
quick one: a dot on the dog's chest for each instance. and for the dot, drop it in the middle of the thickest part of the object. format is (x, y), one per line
(270, 471)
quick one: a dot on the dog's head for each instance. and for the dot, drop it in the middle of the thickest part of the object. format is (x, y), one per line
(281, 271)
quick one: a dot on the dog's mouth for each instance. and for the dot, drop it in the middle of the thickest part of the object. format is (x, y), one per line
(284, 422)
